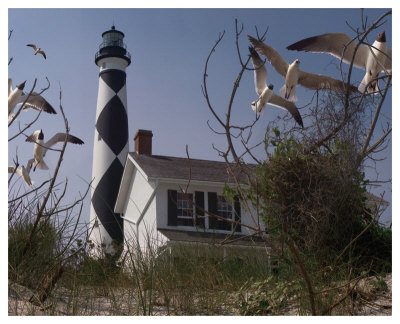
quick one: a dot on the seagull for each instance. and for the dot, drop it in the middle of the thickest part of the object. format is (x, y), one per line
(35, 101)
(294, 76)
(24, 172)
(37, 50)
(40, 148)
(13, 97)
(373, 59)
(266, 94)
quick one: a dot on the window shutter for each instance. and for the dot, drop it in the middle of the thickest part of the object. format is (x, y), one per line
(238, 214)
(172, 207)
(213, 209)
(199, 201)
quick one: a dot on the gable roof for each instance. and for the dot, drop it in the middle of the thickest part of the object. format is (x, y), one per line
(168, 167)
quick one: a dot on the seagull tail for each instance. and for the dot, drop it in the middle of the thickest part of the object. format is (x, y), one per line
(293, 96)
(373, 86)
(282, 91)
(42, 165)
(364, 83)
(30, 183)
(361, 87)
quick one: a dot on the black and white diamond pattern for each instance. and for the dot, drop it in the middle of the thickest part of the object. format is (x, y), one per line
(104, 198)
(110, 149)
(112, 126)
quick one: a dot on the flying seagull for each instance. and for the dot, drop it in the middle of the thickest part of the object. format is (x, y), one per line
(40, 148)
(13, 97)
(35, 100)
(23, 172)
(266, 94)
(37, 50)
(294, 76)
(373, 59)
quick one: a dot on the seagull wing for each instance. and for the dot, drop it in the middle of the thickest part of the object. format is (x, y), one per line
(33, 46)
(336, 44)
(29, 165)
(26, 177)
(280, 102)
(17, 171)
(9, 86)
(322, 82)
(43, 53)
(276, 60)
(60, 138)
(388, 61)
(37, 102)
(260, 72)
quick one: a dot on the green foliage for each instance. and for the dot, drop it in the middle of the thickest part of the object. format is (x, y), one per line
(87, 270)
(316, 198)
(373, 249)
(379, 285)
(29, 269)
(266, 297)
(228, 192)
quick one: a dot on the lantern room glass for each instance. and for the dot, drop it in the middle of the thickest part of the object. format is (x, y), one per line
(113, 38)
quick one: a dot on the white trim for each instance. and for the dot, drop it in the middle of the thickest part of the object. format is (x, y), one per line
(123, 187)
(128, 220)
(194, 182)
(139, 168)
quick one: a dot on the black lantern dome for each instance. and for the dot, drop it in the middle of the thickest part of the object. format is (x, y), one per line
(113, 46)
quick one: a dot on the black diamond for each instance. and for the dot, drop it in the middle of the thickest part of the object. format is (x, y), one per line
(112, 125)
(115, 79)
(104, 198)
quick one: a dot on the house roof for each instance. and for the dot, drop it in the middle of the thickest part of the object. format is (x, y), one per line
(168, 167)
(372, 199)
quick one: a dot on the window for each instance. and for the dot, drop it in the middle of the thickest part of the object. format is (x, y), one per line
(224, 210)
(184, 209)
(219, 205)
(183, 212)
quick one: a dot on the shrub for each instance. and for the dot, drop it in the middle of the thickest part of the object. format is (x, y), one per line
(316, 198)
(30, 269)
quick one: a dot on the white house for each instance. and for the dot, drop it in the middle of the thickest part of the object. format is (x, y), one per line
(155, 209)
(152, 203)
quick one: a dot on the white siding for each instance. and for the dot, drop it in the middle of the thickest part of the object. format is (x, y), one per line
(139, 193)
(137, 228)
(140, 230)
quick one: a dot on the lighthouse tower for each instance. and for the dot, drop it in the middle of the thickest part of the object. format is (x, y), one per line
(110, 140)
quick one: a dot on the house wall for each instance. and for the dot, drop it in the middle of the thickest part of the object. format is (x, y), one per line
(140, 213)
(144, 214)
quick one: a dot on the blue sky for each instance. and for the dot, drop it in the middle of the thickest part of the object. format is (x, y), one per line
(169, 48)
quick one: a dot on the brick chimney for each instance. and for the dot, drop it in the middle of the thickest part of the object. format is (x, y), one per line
(143, 141)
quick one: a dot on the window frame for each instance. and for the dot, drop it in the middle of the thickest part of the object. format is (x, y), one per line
(185, 204)
(216, 204)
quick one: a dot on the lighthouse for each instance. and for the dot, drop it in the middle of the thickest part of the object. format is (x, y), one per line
(110, 146)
